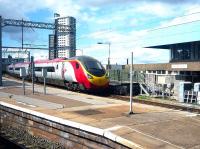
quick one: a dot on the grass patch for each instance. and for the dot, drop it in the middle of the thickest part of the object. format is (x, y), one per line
(143, 97)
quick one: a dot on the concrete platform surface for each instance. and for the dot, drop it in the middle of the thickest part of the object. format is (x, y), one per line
(149, 127)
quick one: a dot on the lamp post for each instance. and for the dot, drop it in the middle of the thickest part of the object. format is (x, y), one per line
(107, 43)
(56, 15)
(131, 85)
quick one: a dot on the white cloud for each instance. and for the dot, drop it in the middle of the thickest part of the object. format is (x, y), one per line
(40, 55)
(18, 9)
(121, 46)
(188, 16)
(63, 7)
(156, 9)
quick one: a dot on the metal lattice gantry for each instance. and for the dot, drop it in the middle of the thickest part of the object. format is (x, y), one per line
(10, 50)
(25, 53)
(39, 25)
(29, 24)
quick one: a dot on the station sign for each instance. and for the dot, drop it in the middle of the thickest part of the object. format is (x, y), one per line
(177, 66)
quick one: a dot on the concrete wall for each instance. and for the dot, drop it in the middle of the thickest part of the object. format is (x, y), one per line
(35, 130)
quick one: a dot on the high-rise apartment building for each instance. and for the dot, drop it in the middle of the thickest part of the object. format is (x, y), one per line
(52, 53)
(64, 38)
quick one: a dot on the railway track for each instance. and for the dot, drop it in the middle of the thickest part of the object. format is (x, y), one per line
(155, 102)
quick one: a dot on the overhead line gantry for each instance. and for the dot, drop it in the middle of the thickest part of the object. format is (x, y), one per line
(28, 24)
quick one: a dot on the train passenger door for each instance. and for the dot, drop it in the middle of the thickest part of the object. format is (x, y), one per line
(77, 72)
(58, 70)
(54, 70)
(68, 72)
(63, 71)
(50, 70)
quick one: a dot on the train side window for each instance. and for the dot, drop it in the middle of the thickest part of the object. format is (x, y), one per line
(50, 69)
(57, 66)
(17, 68)
(38, 69)
(77, 66)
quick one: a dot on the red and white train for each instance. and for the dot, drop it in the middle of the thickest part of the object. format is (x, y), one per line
(77, 73)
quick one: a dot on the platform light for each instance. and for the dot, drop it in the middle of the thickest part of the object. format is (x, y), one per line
(109, 44)
(56, 15)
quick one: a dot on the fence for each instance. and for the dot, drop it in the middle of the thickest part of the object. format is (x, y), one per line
(148, 82)
(192, 97)
(124, 76)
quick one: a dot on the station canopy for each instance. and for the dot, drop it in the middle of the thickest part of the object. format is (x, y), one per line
(167, 46)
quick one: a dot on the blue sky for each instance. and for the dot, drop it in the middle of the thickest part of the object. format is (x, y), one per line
(128, 25)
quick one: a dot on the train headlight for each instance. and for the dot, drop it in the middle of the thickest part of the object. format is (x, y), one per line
(89, 76)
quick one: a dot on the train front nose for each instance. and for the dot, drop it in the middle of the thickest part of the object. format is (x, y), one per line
(101, 82)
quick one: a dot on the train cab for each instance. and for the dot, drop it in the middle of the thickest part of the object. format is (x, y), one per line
(95, 75)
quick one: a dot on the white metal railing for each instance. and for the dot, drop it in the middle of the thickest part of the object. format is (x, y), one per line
(192, 96)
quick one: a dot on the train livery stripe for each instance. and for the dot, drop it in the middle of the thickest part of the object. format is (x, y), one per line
(79, 74)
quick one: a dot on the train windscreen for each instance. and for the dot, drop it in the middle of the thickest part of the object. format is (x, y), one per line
(94, 67)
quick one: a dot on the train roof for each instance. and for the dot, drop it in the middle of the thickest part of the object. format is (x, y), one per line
(82, 58)
(50, 61)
